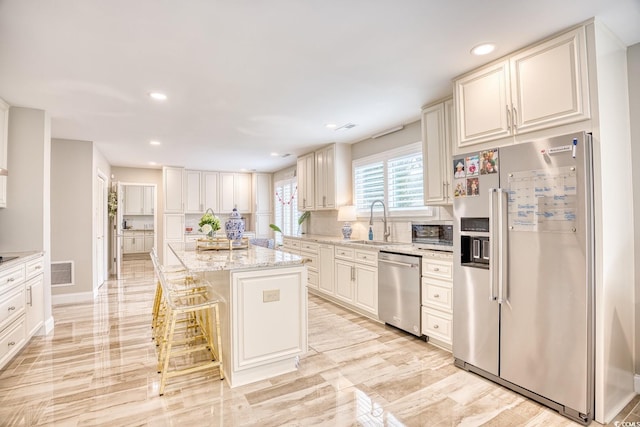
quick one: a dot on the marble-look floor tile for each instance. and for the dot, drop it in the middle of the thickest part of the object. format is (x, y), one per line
(98, 368)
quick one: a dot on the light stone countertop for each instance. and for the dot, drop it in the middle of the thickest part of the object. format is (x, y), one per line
(237, 259)
(400, 247)
(21, 257)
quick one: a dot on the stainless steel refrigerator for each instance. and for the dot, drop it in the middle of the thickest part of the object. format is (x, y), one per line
(523, 270)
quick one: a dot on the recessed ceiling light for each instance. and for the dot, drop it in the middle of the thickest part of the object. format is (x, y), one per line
(331, 125)
(274, 154)
(154, 142)
(483, 49)
(152, 163)
(158, 96)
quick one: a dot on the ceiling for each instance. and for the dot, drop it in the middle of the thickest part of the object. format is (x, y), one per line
(245, 79)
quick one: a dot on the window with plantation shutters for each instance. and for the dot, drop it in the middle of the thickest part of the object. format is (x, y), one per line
(286, 208)
(393, 176)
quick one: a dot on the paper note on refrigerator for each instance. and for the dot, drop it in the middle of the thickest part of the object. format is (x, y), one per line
(543, 200)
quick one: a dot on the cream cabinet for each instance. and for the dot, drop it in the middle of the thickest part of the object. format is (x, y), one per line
(262, 204)
(309, 250)
(326, 259)
(332, 176)
(138, 200)
(4, 129)
(134, 242)
(437, 131)
(173, 189)
(306, 182)
(539, 87)
(201, 190)
(21, 304)
(437, 298)
(148, 241)
(356, 278)
(235, 192)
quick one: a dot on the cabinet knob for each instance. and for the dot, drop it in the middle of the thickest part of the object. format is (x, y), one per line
(12, 308)
(436, 295)
(435, 326)
(11, 279)
(38, 267)
(436, 269)
(11, 343)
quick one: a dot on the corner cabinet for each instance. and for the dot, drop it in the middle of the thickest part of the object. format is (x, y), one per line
(437, 136)
(305, 173)
(173, 192)
(4, 132)
(539, 87)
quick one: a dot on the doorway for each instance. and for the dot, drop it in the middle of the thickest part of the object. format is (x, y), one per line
(136, 225)
(100, 221)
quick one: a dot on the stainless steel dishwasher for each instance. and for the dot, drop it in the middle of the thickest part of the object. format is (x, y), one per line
(399, 302)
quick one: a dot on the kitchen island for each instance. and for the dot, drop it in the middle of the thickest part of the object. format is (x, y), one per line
(263, 313)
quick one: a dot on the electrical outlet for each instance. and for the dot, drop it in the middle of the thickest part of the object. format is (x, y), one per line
(271, 296)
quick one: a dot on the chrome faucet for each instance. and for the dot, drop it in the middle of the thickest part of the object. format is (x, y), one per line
(387, 232)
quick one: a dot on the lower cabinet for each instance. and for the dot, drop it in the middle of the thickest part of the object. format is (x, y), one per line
(356, 273)
(21, 304)
(309, 250)
(437, 298)
(326, 269)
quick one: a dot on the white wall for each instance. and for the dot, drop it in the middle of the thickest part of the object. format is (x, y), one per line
(72, 183)
(410, 134)
(25, 224)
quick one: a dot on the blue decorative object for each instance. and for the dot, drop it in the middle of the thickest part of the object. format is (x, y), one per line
(234, 227)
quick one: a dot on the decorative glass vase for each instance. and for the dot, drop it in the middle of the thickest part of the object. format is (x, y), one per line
(234, 227)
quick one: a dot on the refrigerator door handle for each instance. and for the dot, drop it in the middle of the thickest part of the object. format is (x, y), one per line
(493, 245)
(501, 232)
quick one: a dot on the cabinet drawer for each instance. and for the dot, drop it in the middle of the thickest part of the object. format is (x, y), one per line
(11, 305)
(366, 257)
(437, 324)
(12, 276)
(12, 340)
(291, 243)
(437, 295)
(437, 268)
(34, 267)
(344, 253)
(309, 247)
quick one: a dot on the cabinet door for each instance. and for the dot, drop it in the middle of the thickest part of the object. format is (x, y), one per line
(306, 182)
(325, 269)
(345, 275)
(227, 189)
(366, 292)
(263, 192)
(173, 188)
(129, 244)
(148, 200)
(300, 177)
(35, 304)
(138, 242)
(433, 152)
(325, 178)
(320, 168)
(193, 192)
(210, 191)
(148, 242)
(449, 138)
(133, 200)
(242, 192)
(174, 227)
(549, 84)
(483, 105)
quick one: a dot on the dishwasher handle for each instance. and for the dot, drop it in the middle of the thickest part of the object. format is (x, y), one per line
(402, 264)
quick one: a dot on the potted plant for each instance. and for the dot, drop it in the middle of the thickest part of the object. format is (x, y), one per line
(209, 223)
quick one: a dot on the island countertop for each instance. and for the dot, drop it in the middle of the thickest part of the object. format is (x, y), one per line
(237, 259)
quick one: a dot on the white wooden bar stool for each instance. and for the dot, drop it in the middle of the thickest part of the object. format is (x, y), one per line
(196, 347)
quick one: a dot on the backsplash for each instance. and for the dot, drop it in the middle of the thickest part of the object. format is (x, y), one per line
(325, 223)
(139, 222)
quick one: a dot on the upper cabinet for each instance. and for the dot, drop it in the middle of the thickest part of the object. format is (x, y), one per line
(201, 191)
(332, 166)
(306, 182)
(4, 127)
(173, 188)
(437, 135)
(235, 192)
(539, 87)
(138, 200)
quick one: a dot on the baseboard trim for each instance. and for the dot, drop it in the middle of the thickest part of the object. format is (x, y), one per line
(636, 383)
(48, 325)
(72, 298)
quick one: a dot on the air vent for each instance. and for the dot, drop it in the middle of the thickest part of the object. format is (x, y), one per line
(346, 127)
(285, 155)
(62, 273)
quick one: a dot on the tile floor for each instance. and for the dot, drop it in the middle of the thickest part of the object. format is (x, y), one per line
(98, 368)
